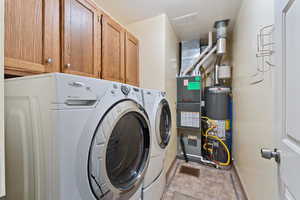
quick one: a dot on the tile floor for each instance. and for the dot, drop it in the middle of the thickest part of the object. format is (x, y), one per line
(211, 184)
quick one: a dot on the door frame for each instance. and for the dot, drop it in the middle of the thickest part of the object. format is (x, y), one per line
(279, 80)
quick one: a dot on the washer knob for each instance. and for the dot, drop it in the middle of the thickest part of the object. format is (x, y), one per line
(125, 90)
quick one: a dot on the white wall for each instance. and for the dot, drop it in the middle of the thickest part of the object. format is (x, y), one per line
(159, 64)
(151, 34)
(171, 69)
(252, 104)
(2, 178)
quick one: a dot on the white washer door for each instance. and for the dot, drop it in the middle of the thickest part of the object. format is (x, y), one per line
(119, 153)
(163, 124)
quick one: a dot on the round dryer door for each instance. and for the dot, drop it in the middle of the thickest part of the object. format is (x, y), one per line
(163, 123)
(119, 152)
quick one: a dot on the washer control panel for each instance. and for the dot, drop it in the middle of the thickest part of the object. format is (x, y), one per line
(130, 92)
(136, 89)
(125, 90)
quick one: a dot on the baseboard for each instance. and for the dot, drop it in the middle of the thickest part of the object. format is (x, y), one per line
(171, 169)
(240, 180)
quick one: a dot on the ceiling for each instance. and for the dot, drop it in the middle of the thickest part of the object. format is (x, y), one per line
(191, 19)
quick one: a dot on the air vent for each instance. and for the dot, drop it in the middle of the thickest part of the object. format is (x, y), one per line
(190, 171)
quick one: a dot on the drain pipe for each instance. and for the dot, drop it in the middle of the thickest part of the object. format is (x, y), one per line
(221, 27)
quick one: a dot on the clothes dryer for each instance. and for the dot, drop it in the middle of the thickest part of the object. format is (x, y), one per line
(72, 137)
(159, 113)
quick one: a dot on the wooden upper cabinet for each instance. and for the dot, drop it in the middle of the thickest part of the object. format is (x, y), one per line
(81, 38)
(131, 60)
(71, 36)
(113, 63)
(32, 36)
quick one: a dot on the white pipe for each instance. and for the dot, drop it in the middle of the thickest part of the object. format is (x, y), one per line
(209, 69)
(201, 159)
(200, 56)
(197, 70)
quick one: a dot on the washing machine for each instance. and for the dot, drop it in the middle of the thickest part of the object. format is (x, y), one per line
(72, 137)
(159, 113)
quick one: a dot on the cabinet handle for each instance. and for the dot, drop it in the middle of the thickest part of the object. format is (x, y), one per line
(68, 65)
(49, 61)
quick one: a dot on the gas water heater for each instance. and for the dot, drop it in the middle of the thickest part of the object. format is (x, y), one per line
(217, 135)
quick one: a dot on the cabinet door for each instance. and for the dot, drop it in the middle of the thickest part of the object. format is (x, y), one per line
(112, 50)
(32, 37)
(131, 60)
(82, 26)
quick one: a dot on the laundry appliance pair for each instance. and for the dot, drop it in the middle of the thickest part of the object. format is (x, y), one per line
(79, 138)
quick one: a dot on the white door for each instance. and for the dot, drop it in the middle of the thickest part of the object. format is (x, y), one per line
(287, 99)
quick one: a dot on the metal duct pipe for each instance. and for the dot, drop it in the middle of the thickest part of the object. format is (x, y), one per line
(221, 46)
(216, 69)
(221, 27)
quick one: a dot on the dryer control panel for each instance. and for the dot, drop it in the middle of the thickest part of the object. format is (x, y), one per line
(132, 93)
